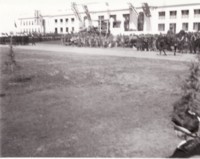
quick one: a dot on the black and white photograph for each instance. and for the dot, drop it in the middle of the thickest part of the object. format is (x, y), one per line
(100, 78)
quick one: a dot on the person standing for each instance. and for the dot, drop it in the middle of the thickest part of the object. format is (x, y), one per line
(32, 39)
(192, 43)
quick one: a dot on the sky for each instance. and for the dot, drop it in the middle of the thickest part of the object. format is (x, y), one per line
(10, 10)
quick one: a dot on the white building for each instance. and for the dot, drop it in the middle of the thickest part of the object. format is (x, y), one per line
(176, 17)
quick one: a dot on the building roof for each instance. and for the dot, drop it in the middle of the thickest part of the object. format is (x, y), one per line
(97, 8)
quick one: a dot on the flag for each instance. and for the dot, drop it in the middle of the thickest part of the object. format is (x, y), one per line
(141, 21)
(75, 10)
(146, 9)
(133, 17)
(87, 14)
(132, 9)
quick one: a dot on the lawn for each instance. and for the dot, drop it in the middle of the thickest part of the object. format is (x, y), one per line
(76, 105)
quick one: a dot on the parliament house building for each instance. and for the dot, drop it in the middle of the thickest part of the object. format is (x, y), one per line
(105, 17)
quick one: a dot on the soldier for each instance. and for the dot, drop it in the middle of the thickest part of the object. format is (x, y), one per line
(139, 43)
(170, 32)
(145, 43)
(193, 38)
(32, 39)
(62, 39)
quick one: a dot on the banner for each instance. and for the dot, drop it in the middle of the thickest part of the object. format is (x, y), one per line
(87, 14)
(146, 9)
(141, 21)
(133, 17)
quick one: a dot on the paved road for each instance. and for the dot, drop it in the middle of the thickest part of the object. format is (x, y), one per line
(122, 52)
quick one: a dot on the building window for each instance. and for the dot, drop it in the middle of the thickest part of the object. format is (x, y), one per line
(56, 20)
(61, 29)
(102, 24)
(185, 26)
(66, 20)
(161, 15)
(185, 13)
(72, 19)
(114, 17)
(101, 17)
(61, 20)
(126, 21)
(196, 26)
(56, 30)
(161, 27)
(172, 26)
(116, 24)
(126, 17)
(173, 14)
(67, 29)
(197, 13)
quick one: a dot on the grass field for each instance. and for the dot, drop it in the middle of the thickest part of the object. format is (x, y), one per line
(88, 106)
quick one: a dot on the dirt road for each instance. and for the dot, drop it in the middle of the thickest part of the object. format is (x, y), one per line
(120, 52)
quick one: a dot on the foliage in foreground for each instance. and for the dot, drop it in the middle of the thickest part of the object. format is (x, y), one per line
(190, 99)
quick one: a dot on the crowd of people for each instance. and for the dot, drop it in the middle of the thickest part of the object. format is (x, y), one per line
(85, 39)
(182, 41)
(25, 39)
(142, 42)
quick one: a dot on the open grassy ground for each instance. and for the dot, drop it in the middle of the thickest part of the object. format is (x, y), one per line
(76, 105)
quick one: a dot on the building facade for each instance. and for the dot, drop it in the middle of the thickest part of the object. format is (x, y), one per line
(118, 21)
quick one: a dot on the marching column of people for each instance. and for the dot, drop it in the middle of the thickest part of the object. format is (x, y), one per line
(141, 42)
(26, 39)
(182, 42)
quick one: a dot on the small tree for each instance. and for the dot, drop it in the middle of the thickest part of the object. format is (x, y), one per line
(190, 94)
(11, 63)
